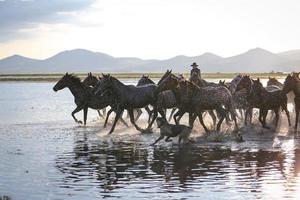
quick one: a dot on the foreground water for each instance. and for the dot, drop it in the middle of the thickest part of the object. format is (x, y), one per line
(45, 155)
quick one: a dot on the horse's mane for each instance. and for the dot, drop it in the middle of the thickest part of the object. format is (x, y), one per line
(190, 84)
(74, 78)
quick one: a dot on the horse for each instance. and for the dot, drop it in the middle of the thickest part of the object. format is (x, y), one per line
(83, 96)
(274, 82)
(91, 81)
(292, 83)
(195, 100)
(201, 82)
(130, 97)
(264, 99)
(269, 100)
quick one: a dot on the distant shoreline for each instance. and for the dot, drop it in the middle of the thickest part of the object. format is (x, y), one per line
(56, 76)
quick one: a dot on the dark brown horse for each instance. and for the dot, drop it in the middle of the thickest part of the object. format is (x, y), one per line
(195, 100)
(292, 83)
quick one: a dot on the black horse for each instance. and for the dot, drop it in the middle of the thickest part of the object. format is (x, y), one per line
(292, 83)
(264, 99)
(83, 95)
(92, 81)
(130, 97)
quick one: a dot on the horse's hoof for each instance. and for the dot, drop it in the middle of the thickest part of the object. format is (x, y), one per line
(148, 130)
(79, 122)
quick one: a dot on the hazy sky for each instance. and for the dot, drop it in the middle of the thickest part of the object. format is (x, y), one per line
(148, 28)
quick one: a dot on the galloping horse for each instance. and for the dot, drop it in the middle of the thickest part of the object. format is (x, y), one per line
(92, 81)
(292, 83)
(264, 99)
(196, 100)
(274, 82)
(83, 96)
(130, 97)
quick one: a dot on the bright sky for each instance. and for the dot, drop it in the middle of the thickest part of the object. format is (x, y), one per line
(148, 28)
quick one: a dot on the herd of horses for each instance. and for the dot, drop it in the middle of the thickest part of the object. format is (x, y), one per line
(229, 101)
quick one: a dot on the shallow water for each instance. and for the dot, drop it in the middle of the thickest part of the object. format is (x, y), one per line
(45, 155)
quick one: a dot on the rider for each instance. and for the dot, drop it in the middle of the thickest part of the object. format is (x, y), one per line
(195, 70)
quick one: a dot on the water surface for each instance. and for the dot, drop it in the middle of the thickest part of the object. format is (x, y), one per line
(45, 155)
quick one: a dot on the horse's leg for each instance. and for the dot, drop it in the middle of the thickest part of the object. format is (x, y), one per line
(99, 113)
(260, 117)
(154, 117)
(139, 113)
(264, 117)
(250, 115)
(172, 113)
(192, 118)
(85, 111)
(287, 114)
(202, 122)
(158, 139)
(276, 111)
(104, 112)
(149, 113)
(241, 113)
(123, 121)
(131, 115)
(223, 114)
(178, 113)
(79, 108)
(107, 116)
(297, 108)
(234, 117)
(118, 115)
(213, 117)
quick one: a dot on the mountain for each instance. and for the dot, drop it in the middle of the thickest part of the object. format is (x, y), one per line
(81, 60)
(291, 55)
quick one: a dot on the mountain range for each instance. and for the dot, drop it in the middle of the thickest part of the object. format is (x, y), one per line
(81, 60)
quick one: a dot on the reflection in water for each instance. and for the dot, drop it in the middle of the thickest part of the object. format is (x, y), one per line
(120, 168)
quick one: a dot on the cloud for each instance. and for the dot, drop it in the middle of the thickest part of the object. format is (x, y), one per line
(19, 15)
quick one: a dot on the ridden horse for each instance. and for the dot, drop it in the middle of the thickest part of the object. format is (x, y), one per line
(83, 96)
(92, 81)
(264, 99)
(292, 83)
(195, 100)
(130, 97)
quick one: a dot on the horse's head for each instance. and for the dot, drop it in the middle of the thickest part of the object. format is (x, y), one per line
(144, 80)
(296, 75)
(222, 83)
(66, 81)
(90, 80)
(169, 83)
(244, 83)
(104, 84)
(257, 87)
(167, 73)
(272, 81)
(289, 83)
